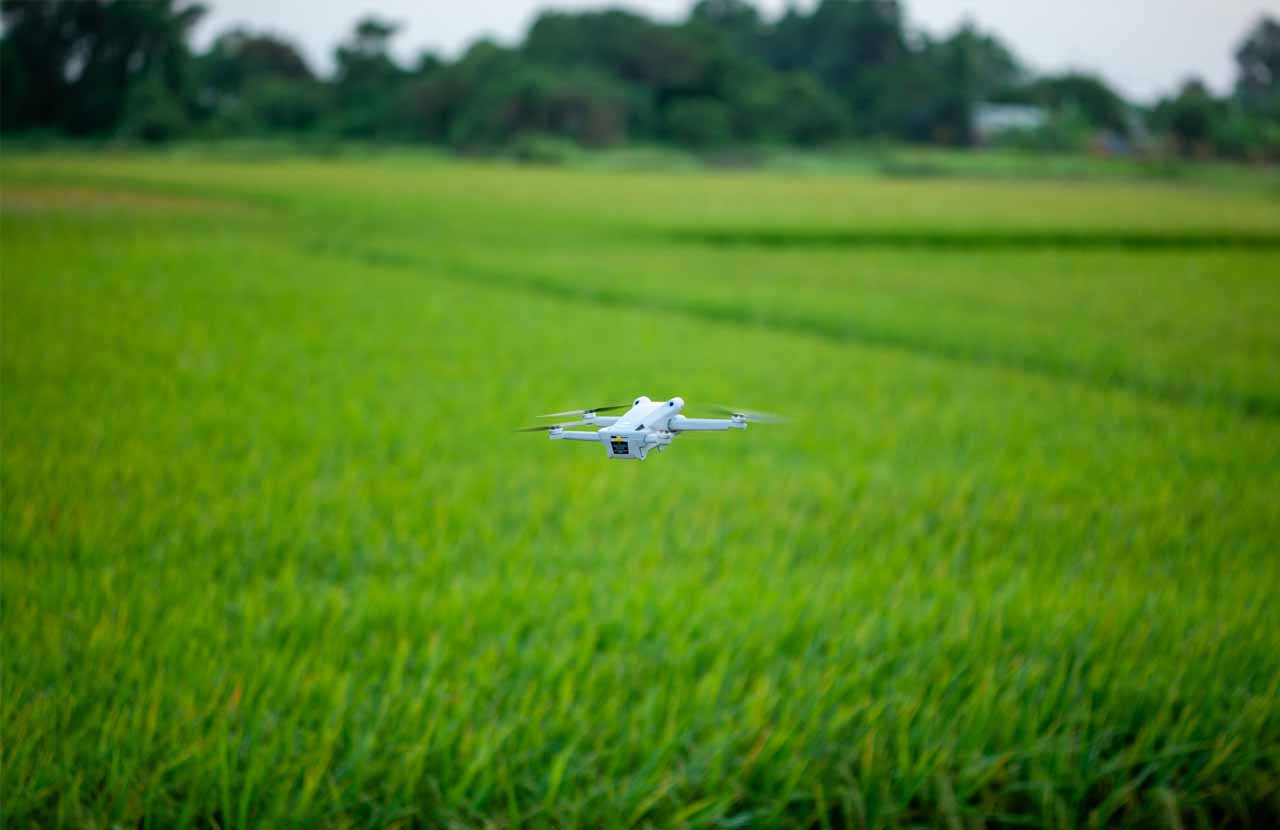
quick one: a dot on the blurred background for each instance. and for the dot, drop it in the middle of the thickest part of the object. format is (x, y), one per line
(279, 280)
(1192, 80)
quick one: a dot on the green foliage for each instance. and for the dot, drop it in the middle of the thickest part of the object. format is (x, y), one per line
(841, 70)
(86, 63)
(1258, 62)
(698, 122)
(540, 148)
(238, 57)
(737, 19)
(368, 82)
(1069, 129)
(851, 47)
(1190, 117)
(493, 94)
(968, 68)
(154, 114)
(272, 556)
(258, 83)
(1084, 95)
(801, 112)
(1240, 136)
(283, 104)
(1246, 126)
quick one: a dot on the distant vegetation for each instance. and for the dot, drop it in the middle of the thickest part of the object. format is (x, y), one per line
(725, 76)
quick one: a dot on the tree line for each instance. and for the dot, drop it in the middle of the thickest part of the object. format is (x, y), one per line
(725, 75)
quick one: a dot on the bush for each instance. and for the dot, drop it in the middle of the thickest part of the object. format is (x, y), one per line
(540, 148)
(1068, 130)
(805, 113)
(698, 122)
(154, 113)
(284, 104)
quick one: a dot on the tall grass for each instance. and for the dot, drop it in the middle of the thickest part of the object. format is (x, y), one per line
(272, 556)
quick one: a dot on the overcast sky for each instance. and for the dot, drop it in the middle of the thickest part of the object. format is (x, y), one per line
(1144, 47)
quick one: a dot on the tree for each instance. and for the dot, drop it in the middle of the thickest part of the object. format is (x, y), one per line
(851, 46)
(802, 112)
(151, 111)
(80, 61)
(494, 95)
(438, 103)
(698, 122)
(664, 59)
(1100, 105)
(368, 84)
(969, 67)
(237, 57)
(657, 65)
(1190, 117)
(252, 82)
(738, 20)
(1258, 68)
(35, 53)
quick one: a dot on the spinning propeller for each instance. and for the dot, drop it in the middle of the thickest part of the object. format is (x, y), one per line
(549, 427)
(749, 415)
(587, 413)
(593, 410)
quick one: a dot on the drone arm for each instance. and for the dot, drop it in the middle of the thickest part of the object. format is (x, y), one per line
(679, 423)
(603, 421)
(574, 435)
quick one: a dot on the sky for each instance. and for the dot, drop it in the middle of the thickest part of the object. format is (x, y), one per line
(1146, 48)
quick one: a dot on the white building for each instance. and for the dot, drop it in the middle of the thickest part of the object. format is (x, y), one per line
(989, 120)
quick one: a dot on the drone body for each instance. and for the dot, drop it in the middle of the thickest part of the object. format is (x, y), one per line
(646, 424)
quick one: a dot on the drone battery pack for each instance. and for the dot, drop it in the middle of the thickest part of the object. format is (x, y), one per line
(625, 447)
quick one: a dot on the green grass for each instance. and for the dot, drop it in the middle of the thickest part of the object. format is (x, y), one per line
(273, 557)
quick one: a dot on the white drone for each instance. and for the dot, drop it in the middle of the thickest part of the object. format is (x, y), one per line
(647, 424)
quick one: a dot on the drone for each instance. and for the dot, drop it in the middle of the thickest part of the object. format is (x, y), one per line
(647, 424)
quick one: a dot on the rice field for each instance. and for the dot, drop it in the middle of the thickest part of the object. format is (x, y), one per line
(271, 554)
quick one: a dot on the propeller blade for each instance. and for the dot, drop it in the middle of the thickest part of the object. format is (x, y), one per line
(549, 427)
(749, 415)
(572, 412)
